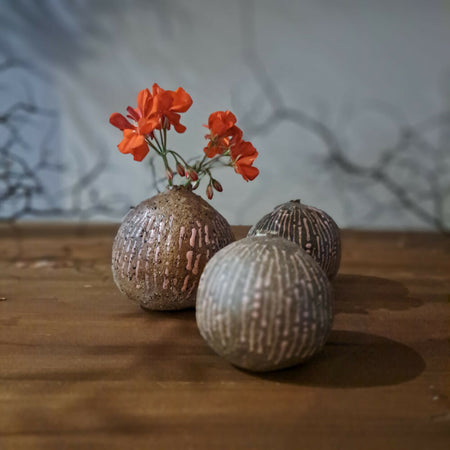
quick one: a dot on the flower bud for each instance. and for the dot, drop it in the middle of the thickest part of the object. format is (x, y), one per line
(195, 185)
(169, 174)
(180, 170)
(217, 186)
(209, 192)
(192, 174)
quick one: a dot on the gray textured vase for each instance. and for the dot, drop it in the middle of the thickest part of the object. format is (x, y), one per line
(313, 229)
(264, 304)
(162, 246)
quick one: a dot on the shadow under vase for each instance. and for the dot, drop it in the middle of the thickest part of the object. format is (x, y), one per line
(352, 359)
(360, 294)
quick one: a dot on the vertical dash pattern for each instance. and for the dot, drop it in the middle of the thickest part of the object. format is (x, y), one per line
(162, 246)
(311, 228)
(264, 304)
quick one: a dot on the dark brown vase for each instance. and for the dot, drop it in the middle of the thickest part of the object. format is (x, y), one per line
(313, 229)
(162, 246)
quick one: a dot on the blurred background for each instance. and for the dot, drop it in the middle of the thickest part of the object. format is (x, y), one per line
(347, 102)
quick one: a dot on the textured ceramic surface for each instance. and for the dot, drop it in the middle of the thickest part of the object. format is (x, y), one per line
(162, 247)
(313, 229)
(264, 304)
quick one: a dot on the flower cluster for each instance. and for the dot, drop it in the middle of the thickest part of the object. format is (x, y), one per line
(225, 138)
(155, 111)
(145, 127)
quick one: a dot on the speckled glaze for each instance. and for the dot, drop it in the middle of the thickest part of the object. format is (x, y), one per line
(313, 229)
(162, 247)
(264, 304)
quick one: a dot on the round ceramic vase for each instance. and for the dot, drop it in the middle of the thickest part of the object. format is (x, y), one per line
(311, 228)
(264, 304)
(162, 246)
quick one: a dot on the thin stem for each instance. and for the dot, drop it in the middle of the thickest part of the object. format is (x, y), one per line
(165, 138)
(153, 169)
(212, 161)
(161, 149)
(177, 156)
(210, 176)
(202, 161)
(166, 165)
(163, 146)
(152, 146)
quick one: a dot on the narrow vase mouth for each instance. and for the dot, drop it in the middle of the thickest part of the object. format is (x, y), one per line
(179, 187)
(289, 205)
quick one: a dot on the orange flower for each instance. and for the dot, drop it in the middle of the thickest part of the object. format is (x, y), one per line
(134, 135)
(223, 133)
(242, 156)
(159, 110)
(156, 110)
(135, 144)
(166, 106)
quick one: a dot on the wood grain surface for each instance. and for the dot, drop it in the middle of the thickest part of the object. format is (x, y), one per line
(83, 367)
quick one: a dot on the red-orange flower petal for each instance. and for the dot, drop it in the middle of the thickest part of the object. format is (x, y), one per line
(120, 122)
(144, 103)
(182, 101)
(220, 122)
(165, 108)
(132, 114)
(135, 144)
(156, 89)
(212, 150)
(249, 173)
(161, 102)
(243, 148)
(243, 154)
(174, 119)
(224, 134)
(146, 126)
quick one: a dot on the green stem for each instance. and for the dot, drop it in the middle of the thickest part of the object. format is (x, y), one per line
(163, 147)
(177, 156)
(153, 146)
(210, 176)
(166, 165)
(201, 162)
(202, 167)
(211, 162)
(161, 150)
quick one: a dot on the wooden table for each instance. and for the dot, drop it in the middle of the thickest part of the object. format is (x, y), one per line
(83, 367)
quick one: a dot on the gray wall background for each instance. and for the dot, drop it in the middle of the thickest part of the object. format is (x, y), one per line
(347, 102)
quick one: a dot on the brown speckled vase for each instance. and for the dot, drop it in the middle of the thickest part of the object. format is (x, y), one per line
(313, 229)
(162, 247)
(264, 304)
